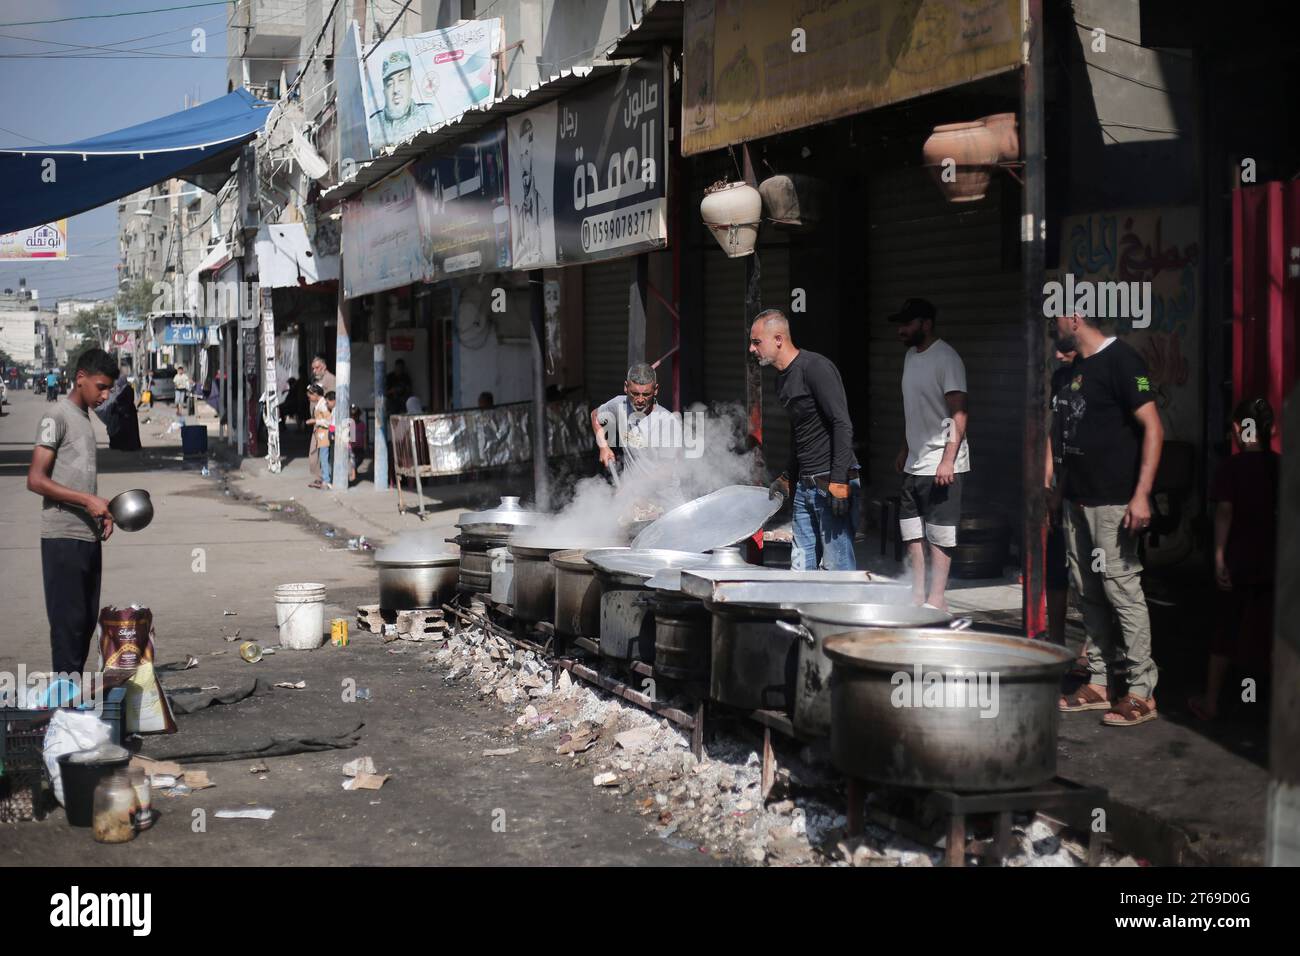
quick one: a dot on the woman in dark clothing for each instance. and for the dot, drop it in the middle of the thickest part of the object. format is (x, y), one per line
(118, 415)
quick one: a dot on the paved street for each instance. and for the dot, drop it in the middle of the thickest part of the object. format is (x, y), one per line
(438, 808)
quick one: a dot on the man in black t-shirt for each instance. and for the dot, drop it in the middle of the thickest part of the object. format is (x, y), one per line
(1110, 438)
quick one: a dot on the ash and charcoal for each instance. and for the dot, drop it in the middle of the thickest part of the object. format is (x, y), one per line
(714, 805)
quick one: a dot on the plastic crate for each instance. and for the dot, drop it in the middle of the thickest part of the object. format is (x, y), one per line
(22, 742)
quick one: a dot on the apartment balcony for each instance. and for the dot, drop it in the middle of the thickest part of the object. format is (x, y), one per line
(267, 28)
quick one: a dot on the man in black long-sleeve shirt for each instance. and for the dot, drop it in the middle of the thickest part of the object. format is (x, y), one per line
(822, 466)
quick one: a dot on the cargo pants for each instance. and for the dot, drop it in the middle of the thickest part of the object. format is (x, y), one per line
(1114, 607)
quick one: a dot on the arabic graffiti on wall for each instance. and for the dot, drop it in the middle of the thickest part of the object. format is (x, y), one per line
(588, 178)
(1160, 246)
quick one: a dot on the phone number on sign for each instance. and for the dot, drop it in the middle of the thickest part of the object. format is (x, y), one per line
(623, 227)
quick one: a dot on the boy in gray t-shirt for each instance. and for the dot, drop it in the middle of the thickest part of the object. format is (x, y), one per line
(74, 519)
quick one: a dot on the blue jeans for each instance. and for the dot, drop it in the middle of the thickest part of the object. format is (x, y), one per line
(326, 474)
(822, 540)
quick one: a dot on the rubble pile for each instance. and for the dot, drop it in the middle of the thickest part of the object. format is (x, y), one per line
(714, 805)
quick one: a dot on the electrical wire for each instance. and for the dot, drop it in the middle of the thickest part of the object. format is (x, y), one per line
(125, 13)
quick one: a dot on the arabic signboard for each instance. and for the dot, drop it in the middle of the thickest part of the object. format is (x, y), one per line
(413, 83)
(463, 213)
(381, 238)
(177, 334)
(128, 323)
(1160, 246)
(752, 68)
(41, 242)
(588, 178)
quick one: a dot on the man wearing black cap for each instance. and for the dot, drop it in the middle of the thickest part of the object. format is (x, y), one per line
(822, 466)
(934, 458)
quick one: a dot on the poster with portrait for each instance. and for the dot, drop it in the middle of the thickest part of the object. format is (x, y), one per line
(588, 172)
(531, 139)
(461, 198)
(419, 82)
(381, 237)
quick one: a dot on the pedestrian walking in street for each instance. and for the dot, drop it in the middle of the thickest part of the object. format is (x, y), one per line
(52, 386)
(1245, 491)
(822, 470)
(935, 457)
(181, 382)
(356, 441)
(1110, 448)
(321, 374)
(315, 403)
(74, 519)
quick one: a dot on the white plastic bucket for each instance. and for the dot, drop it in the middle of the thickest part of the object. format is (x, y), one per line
(300, 615)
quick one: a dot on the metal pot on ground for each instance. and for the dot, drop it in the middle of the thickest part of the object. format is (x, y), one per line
(989, 723)
(577, 595)
(683, 628)
(812, 699)
(482, 531)
(414, 573)
(535, 575)
(627, 628)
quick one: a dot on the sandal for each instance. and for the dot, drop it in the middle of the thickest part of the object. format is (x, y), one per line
(1085, 698)
(1129, 711)
(315, 484)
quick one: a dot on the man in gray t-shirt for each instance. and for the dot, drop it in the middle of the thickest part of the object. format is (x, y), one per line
(649, 435)
(74, 519)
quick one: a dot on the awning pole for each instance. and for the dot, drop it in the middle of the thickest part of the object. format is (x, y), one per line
(379, 336)
(1033, 227)
(541, 481)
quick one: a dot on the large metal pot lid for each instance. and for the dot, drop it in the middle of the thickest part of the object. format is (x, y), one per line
(508, 512)
(670, 579)
(702, 582)
(893, 649)
(641, 564)
(896, 611)
(416, 549)
(719, 519)
(794, 595)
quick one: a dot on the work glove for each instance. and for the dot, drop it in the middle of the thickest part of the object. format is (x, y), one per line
(840, 500)
(779, 488)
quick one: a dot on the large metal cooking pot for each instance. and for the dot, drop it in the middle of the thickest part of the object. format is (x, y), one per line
(812, 697)
(413, 573)
(943, 709)
(534, 583)
(577, 595)
(752, 659)
(627, 628)
(483, 531)
(682, 637)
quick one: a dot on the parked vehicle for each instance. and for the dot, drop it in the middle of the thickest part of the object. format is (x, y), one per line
(164, 386)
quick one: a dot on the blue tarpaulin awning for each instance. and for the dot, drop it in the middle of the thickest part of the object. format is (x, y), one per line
(199, 145)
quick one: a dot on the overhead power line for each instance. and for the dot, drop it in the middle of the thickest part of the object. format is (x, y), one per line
(107, 16)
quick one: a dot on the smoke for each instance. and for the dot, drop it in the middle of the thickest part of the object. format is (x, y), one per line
(705, 450)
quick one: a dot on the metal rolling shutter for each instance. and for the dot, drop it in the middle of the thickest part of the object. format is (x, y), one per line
(920, 245)
(725, 342)
(605, 293)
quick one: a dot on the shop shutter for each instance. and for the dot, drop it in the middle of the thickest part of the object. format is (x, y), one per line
(952, 254)
(605, 292)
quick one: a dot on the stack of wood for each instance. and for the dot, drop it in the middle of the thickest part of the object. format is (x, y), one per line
(421, 624)
(369, 619)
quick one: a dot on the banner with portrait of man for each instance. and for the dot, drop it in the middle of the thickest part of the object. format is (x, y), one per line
(419, 82)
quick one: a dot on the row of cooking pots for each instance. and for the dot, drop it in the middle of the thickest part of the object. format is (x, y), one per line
(827, 648)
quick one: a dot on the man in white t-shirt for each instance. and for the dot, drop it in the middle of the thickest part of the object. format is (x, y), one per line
(934, 458)
(649, 435)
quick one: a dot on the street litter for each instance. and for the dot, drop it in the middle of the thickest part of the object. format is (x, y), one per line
(604, 780)
(363, 693)
(163, 781)
(365, 781)
(231, 638)
(358, 766)
(259, 768)
(198, 780)
(250, 652)
(291, 686)
(329, 532)
(257, 813)
(501, 752)
(229, 613)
